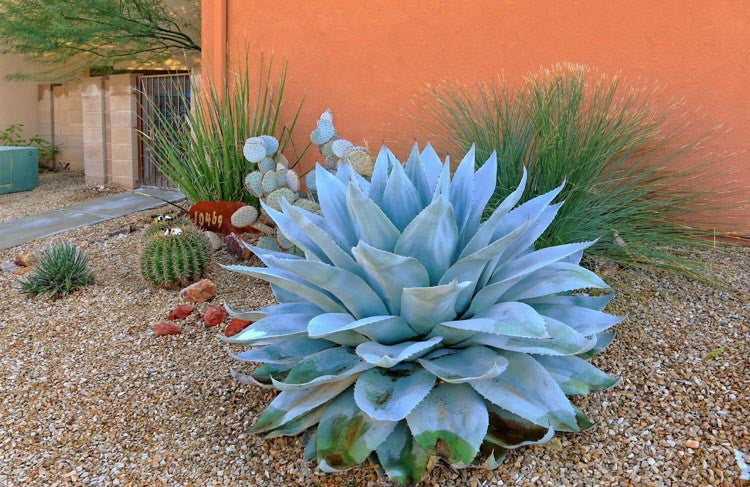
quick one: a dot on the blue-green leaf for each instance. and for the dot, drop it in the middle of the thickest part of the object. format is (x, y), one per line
(401, 201)
(346, 435)
(286, 351)
(431, 238)
(390, 355)
(510, 318)
(373, 226)
(389, 273)
(462, 365)
(425, 307)
(387, 330)
(450, 422)
(555, 278)
(330, 365)
(526, 389)
(401, 456)
(509, 430)
(575, 375)
(332, 198)
(391, 394)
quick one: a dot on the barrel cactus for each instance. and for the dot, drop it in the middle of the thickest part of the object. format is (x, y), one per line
(412, 329)
(174, 255)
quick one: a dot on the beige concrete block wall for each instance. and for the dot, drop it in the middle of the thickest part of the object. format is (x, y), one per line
(123, 123)
(94, 130)
(67, 118)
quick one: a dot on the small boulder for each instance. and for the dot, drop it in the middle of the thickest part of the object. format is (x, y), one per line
(236, 246)
(214, 315)
(215, 240)
(181, 312)
(164, 328)
(235, 326)
(22, 270)
(199, 292)
(9, 267)
(26, 259)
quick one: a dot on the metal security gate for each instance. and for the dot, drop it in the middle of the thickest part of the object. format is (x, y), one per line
(169, 95)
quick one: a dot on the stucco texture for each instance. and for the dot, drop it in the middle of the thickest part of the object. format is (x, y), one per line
(369, 61)
(18, 99)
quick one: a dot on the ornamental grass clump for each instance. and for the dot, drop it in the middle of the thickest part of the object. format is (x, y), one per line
(62, 269)
(411, 328)
(635, 182)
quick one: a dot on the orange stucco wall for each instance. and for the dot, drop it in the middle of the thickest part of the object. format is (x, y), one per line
(369, 60)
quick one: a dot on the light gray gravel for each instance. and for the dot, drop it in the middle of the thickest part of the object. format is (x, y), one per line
(89, 396)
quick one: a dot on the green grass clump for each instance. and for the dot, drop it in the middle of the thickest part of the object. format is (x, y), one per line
(62, 269)
(202, 156)
(630, 180)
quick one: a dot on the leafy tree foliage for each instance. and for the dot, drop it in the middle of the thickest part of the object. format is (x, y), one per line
(96, 33)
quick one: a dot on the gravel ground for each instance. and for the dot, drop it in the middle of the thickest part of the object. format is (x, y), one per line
(55, 190)
(89, 396)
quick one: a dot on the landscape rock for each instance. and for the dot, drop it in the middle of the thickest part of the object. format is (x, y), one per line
(26, 259)
(164, 328)
(216, 241)
(9, 267)
(692, 444)
(181, 312)
(236, 246)
(235, 326)
(22, 270)
(199, 292)
(214, 315)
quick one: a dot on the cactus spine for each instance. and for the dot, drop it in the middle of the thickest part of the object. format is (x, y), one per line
(175, 256)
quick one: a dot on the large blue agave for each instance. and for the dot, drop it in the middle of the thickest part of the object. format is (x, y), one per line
(411, 329)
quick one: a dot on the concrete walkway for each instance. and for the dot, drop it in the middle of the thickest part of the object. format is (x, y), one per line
(22, 230)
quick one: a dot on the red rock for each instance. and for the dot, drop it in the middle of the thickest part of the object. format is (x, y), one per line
(26, 259)
(166, 328)
(181, 312)
(199, 292)
(235, 246)
(22, 271)
(214, 315)
(235, 326)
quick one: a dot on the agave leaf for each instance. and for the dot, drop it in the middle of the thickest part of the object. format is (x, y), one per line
(289, 405)
(387, 330)
(584, 320)
(530, 210)
(391, 394)
(431, 237)
(332, 199)
(390, 273)
(509, 430)
(425, 307)
(373, 226)
(495, 456)
(330, 365)
(564, 341)
(509, 318)
(292, 283)
(390, 355)
(486, 232)
(403, 460)
(526, 264)
(537, 228)
(380, 173)
(526, 389)
(555, 278)
(575, 375)
(401, 201)
(350, 289)
(463, 365)
(249, 379)
(296, 307)
(287, 351)
(330, 252)
(484, 186)
(299, 424)
(597, 303)
(345, 174)
(462, 188)
(333, 327)
(443, 184)
(451, 422)
(273, 328)
(292, 231)
(432, 166)
(417, 175)
(602, 341)
(254, 315)
(346, 435)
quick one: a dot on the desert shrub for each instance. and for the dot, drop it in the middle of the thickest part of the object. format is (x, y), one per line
(202, 155)
(62, 269)
(411, 329)
(630, 182)
(11, 136)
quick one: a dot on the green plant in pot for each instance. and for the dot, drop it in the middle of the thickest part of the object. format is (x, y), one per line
(408, 328)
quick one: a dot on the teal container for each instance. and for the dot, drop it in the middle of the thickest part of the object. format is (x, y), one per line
(19, 169)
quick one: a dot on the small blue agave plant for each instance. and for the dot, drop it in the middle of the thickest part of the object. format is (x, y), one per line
(412, 329)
